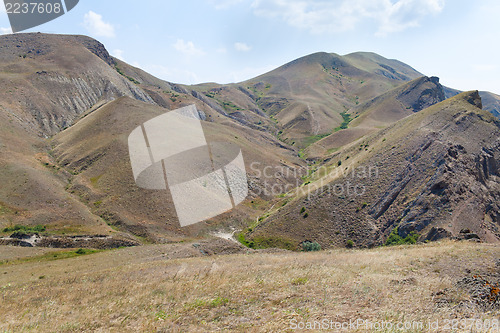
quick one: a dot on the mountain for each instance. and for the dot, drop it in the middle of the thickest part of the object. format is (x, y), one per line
(308, 96)
(434, 173)
(491, 103)
(67, 109)
(379, 112)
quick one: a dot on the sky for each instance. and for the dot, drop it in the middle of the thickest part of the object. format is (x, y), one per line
(224, 41)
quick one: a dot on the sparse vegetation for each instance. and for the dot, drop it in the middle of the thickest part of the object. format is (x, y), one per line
(395, 239)
(301, 154)
(240, 237)
(265, 242)
(131, 79)
(315, 138)
(213, 293)
(228, 105)
(311, 246)
(50, 256)
(345, 123)
(300, 281)
(25, 229)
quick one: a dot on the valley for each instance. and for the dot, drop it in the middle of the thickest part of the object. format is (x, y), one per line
(67, 108)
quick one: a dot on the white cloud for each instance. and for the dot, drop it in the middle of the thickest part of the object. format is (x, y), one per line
(248, 73)
(94, 23)
(221, 50)
(334, 16)
(5, 31)
(176, 75)
(224, 4)
(117, 53)
(188, 48)
(242, 47)
(485, 67)
(407, 14)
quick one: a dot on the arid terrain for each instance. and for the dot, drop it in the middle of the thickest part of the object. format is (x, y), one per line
(172, 288)
(67, 109)
(373, 195)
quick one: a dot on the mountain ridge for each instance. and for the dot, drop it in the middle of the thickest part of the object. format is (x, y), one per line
(436, 174)
(68, 106)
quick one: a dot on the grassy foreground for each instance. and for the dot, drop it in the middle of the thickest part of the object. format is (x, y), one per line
(141, 290)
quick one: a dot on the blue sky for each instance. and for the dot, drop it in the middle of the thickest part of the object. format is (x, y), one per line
(226, 41)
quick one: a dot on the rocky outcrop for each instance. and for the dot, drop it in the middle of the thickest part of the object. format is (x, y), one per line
(425, 92)
(96, 48)
(58, 78)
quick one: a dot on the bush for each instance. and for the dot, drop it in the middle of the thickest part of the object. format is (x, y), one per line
(309, 247)
(350, 244)
(302, 210)
(242, 239)
(23, 228)
(81, 251)
(395, 239)
(299, 281)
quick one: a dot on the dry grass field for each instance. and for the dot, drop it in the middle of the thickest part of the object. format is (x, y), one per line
(151, 289)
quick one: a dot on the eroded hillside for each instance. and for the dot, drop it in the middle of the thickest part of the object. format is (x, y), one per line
(67, 108)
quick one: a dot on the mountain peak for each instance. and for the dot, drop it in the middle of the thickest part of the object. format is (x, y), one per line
(473, 98)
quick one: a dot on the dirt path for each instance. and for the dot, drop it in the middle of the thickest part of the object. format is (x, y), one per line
(314, 122)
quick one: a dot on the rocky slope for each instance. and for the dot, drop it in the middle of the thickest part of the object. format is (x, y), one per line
(491, 103)
(380, 112)
(80, 181)
(67, 108)
(434, 173)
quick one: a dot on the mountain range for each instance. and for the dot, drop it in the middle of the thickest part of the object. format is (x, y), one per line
(361, 148)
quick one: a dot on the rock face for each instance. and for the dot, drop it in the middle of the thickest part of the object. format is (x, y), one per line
(424, 93)
(431, 167)
(435, 173)
(451, 181)
(59, 77)
(491, 103)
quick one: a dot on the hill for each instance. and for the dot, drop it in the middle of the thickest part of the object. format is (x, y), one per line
(79, 182)
(491, 103)
(433, 173)
(152, 288)
(67, 108)
(308, 96)
(379, 112)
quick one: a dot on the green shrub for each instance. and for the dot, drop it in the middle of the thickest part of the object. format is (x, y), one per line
(302, 210)
(311, 246)
(395, 239)
(299, 281)
(240, 237)
(349, 244)
(346, 120)
(23, 228)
